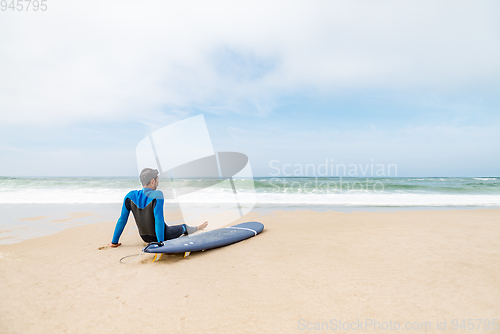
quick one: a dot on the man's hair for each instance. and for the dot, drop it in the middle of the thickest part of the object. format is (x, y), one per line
(148, 174)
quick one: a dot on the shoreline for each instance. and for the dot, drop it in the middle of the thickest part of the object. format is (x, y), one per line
(25, 221)
(306, 267)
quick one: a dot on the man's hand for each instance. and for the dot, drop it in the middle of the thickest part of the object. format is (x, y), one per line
(114, 245)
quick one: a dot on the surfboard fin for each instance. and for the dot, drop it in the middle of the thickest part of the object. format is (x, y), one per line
(186, 254)
(157, 257)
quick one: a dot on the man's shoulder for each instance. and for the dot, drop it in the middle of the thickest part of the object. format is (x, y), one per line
(134, 196)
(155, 194)
(132, 193)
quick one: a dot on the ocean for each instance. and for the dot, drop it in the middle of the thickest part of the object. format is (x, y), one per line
(303, 191)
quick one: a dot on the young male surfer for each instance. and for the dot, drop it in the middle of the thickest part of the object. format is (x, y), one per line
(147, 206)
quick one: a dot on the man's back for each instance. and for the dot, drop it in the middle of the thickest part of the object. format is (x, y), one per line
(147, 206)
(150, 222)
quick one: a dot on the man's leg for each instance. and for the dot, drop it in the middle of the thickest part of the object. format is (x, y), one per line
(172, 232)
(192, 229)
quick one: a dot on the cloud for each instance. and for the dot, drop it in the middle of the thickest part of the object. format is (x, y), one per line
(82, 61)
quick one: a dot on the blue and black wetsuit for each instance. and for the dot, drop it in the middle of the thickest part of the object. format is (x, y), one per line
(147, 207)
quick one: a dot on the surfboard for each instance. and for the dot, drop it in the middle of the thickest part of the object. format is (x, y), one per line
(208, 240)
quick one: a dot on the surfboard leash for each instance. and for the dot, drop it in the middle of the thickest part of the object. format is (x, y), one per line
(158, 244)
(136, 256)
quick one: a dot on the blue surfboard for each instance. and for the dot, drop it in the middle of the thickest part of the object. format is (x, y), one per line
(208, 240)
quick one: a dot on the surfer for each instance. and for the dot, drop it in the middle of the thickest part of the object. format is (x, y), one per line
(147, 207)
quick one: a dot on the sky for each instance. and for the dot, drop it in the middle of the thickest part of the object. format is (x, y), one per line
(288, 83)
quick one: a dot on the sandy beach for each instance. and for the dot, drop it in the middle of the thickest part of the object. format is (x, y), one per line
(307, 270)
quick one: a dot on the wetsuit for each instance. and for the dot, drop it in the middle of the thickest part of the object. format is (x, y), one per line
(147, 207)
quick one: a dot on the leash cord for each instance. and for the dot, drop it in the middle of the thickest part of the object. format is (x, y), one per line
(136, 256)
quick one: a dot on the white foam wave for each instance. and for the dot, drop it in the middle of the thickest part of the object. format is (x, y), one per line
(92, 195)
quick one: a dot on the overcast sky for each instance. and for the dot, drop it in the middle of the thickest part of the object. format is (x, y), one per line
(412, 83)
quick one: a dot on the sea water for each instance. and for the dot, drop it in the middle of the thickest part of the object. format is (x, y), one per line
(398, 191)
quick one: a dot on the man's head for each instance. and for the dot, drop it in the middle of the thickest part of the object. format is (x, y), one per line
(149, 178)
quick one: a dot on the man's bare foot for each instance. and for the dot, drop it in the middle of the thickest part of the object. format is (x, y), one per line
(202, 226)
(114, 245)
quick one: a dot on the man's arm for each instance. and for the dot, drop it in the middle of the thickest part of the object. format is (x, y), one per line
(159, 220)
(120, 225)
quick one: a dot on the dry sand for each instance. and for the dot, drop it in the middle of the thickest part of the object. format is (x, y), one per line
(305, 270)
